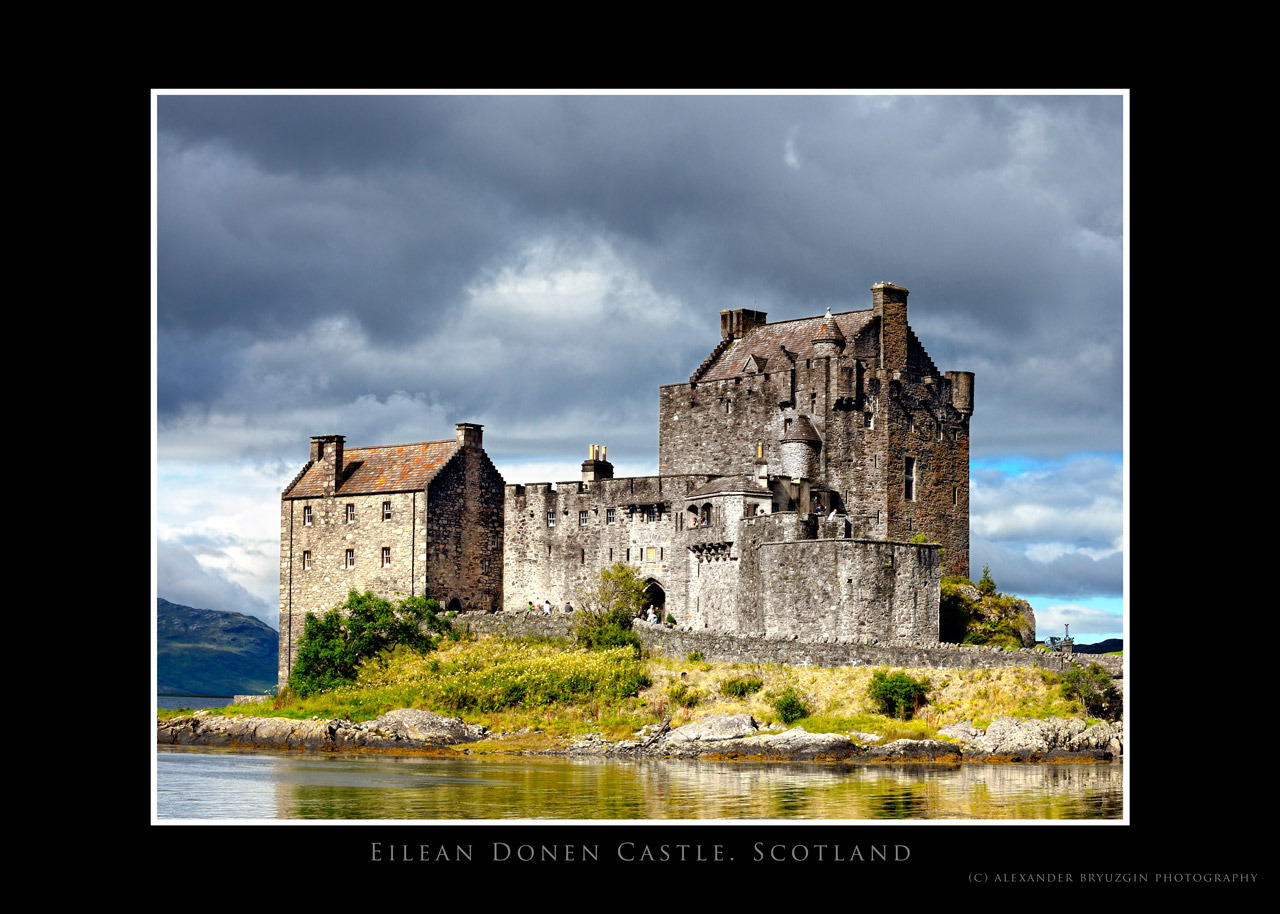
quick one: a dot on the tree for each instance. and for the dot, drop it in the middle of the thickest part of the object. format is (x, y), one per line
(334, 645)
(986, 584)
(605, 612)
(1095, 690)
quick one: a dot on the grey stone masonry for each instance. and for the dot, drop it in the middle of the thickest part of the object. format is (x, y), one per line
(420, 519)
(813, 482)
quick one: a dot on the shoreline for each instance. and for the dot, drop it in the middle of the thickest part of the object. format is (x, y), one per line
(723, 738)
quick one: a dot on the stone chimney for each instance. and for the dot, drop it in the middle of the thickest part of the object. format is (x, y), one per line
(889, 304)
(596, 466)
(469, 434)
(735, 323)
(326, 453)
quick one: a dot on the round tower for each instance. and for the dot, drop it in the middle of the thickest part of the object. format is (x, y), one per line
(800, 448)
(829, 341)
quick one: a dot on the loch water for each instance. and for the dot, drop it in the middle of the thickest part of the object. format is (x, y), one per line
(223, 784)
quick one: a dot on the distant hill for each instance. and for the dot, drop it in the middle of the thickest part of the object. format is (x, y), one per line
(209, 652)
(1102, 647)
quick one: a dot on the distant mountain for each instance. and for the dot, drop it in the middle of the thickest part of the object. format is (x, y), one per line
(1102, 647)
(209, 652)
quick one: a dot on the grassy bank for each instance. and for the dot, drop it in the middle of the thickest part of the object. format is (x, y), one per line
(545, 689)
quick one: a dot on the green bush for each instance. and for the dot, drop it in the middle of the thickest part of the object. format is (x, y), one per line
(605, 613)
(789, 705)
(693, 656)
(740, 688)
(684, 695)
(1094, 688)
(897, 694)
(334, 645)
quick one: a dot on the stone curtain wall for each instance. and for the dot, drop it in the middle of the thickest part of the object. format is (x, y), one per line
(558, 562)
(723, 647)
(849, 589)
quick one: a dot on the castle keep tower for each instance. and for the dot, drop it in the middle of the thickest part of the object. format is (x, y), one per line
(795, 465)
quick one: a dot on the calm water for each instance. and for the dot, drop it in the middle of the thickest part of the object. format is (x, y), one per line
(230, 784)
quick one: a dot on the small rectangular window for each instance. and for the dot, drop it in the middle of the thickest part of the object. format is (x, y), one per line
(351, 558)
(386, 556)
(611, 515)
(650, 554)
(584, 557)
(551, 518)
(351, 514)
(909, 487)
(955, 495)
(306, 515)
(306, 560)
(386, 510)
(582, 518)
(651, 515)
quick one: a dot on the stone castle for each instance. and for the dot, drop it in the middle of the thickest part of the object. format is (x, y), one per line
(813, 479)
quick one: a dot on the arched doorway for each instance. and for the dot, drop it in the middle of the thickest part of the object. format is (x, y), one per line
(656, 597)
(455, 606)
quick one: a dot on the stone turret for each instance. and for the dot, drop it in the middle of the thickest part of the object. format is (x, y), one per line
(829, 342)
(800, 448)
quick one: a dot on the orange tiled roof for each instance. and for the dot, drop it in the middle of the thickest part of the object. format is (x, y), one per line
(390, 468)
(796, 336)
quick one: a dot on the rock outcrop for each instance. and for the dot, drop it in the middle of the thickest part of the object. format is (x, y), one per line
(404, 729)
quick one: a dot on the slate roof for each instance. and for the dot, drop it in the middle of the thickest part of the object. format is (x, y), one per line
(390, 468)
(729, 484)
(796, 336)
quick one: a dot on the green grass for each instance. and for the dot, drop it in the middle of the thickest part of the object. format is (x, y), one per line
(549, 690)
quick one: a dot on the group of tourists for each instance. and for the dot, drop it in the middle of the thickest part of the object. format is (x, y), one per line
(546, 608)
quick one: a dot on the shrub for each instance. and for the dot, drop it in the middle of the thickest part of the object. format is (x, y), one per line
(693, 656)
(605, 613)
(334, 645)
(897, 694)
(740, 688)
(671, 620)
(1095, 690)
(789, 705)
(684, 695)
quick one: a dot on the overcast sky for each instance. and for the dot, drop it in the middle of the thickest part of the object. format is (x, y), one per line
(384, 267)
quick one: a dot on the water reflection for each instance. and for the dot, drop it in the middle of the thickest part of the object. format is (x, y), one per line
(205, 784)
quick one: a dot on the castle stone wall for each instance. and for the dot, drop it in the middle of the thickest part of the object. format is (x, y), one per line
(728, 647)
(326, 583)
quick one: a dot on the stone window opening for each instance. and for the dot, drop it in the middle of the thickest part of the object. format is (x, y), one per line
(584, 557)
(651, 515)
(306, 516)
(306, 560)
(611, 515)
(386, 556)
(349, 560)
(351, 514)
(909, 479)
(551, 518)
(386, 510)
(706, 515)
(582, 518)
